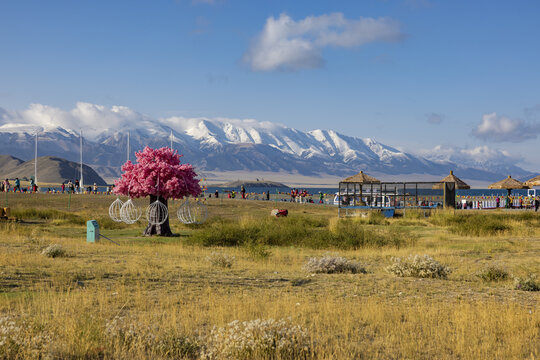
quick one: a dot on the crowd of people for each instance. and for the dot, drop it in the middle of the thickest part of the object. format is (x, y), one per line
(507, 202)
(296, 195)
(5, 186)
(70, 186)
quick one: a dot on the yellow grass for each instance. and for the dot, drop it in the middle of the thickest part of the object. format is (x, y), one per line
(167, 288)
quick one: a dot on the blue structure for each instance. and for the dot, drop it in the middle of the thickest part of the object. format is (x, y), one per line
(92, 231)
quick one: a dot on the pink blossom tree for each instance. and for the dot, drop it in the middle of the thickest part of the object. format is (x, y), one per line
(176, 181)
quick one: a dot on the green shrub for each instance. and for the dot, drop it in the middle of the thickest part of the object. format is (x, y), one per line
(377, 218)
(472, 224)
(493, 273)
(298, 231)
(484, 224)
(350, 234)
(106, 223)
(257, 251)
(48, 214)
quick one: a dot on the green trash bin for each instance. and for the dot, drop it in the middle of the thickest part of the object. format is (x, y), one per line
(92, 231)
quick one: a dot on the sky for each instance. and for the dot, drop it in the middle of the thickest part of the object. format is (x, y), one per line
(424, 76)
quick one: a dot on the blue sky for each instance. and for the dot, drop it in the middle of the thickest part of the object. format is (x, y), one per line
(414, 74)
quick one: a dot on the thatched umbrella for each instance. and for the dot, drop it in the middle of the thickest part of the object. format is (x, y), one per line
(460, 184)
(535, 181)
(508, 184)
(362, 178)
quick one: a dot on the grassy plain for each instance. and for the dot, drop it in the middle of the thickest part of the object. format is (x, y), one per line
(160, 297)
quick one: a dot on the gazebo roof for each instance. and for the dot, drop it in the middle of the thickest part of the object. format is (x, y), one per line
(535, 181)
(460, 184)
(361, 178)
(508, 183)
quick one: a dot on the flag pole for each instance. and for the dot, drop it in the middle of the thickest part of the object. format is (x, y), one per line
(81, 148)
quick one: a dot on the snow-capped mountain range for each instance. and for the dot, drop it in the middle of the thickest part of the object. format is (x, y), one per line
(230, 145)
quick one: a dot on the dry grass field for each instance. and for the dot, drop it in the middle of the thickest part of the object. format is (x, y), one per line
(211, 291)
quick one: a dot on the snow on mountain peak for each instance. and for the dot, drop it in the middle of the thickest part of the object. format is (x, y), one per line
(106, 128)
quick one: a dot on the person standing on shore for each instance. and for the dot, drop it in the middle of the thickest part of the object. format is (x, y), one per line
(243, 191)
(17, 185)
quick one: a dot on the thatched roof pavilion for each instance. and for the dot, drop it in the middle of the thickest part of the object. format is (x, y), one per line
(508, 184)
(535, 181)
(361, 178)
(460, 184)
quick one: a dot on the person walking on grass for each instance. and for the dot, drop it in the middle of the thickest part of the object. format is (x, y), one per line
(536, 204)
(17, 185)
(6, 185)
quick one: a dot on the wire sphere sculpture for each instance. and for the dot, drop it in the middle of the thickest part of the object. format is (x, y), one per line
(130, 213)
(192, 212)
(114, 210)
(157, 213)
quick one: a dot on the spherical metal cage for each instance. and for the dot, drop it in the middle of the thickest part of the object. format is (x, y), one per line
(192, 212)
(114, 210)
(157, 213)
(130, 213)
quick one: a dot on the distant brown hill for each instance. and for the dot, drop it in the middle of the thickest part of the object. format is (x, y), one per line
(50, 170)
(8, 163)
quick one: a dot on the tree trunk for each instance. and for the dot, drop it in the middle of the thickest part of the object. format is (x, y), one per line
(163, 229)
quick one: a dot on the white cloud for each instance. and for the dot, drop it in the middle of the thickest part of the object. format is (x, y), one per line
(285, 44)
(95, 119)
(480, 156)
(503, 129)
(434, 118)
(92, 119)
